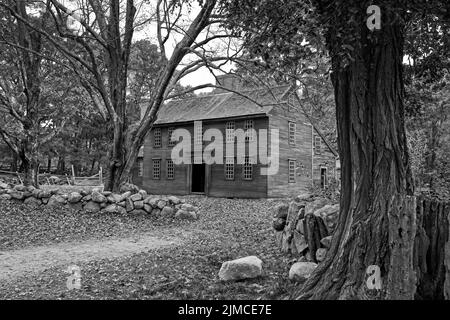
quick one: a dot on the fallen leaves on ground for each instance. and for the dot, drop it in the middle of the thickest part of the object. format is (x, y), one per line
(227, 229)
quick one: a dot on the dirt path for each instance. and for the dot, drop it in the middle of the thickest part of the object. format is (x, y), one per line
(24, 261)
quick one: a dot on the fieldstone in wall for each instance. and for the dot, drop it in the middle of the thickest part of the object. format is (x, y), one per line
(148, 208)
(5, 196)
(326, 242)
(56, 200)
(114, 198)
(138, 211)
(320, 254)
(174, 200)
(31, 201)
(161, 204)
(17, 195)
(136, 197)
(124, 196)
(98, 197)
(92, 207)
(129, 204)
(167, 212)
(74, 197)
(301, 271)
(156, 212)
(115, 209)
(129, 187)
(239, 269)
(139, 204)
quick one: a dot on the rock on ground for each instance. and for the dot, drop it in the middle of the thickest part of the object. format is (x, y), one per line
(242, 268)
(301, 271)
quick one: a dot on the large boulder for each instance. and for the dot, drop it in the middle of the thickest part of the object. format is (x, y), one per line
(98, 197)
(301, 271)
(242, 268)
(92, 207)
(74, 197)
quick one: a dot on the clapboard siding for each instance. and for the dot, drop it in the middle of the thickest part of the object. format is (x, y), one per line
(278, 185)
(326, 159)
(216, 185)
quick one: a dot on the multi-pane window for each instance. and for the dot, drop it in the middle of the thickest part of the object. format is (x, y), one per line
(229, 168)
(317, 145)
(156, 168)
(229, 131)
(170, 170)
(141, 168)
(248, 128)
(157, 137)
(291, 133)
(248, 169)
(198, 134)
(292, 164)
(169, 135)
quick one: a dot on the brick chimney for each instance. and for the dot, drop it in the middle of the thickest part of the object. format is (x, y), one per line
(229, 81)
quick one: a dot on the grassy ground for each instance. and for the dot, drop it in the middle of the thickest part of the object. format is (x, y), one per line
(227, 229)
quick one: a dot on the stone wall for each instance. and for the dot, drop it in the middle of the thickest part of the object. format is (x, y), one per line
(129, 202)
(303, 228)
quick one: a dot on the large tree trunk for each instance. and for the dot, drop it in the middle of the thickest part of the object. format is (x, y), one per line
(374, 159)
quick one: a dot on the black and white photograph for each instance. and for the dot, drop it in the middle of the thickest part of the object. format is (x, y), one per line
(224, 155)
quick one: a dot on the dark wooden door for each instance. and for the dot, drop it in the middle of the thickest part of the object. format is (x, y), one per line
(198, 178)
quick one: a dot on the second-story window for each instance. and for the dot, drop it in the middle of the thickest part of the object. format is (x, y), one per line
(169, 136)
(229, 131)
(292, 133)
(317, 145)
(157, 137)
(248, 128)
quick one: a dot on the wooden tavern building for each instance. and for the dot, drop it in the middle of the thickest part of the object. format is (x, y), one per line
(305, 157)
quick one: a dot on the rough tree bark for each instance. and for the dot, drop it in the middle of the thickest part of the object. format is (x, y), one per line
(375, 175)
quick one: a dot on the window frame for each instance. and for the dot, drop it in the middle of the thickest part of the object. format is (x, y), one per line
(227, 176)
(157, 138)
(140, 168)
(292, 163)
(292, 129)
(249, 126)
(230, 136)
(154, 162)
(317, 145)
(170, 168)
(170, 131)
(247, 167)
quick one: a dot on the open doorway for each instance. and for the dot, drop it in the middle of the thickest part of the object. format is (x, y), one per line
(198, 178)
(323, 177)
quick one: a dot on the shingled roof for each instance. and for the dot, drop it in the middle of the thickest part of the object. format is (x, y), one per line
(222, 105)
